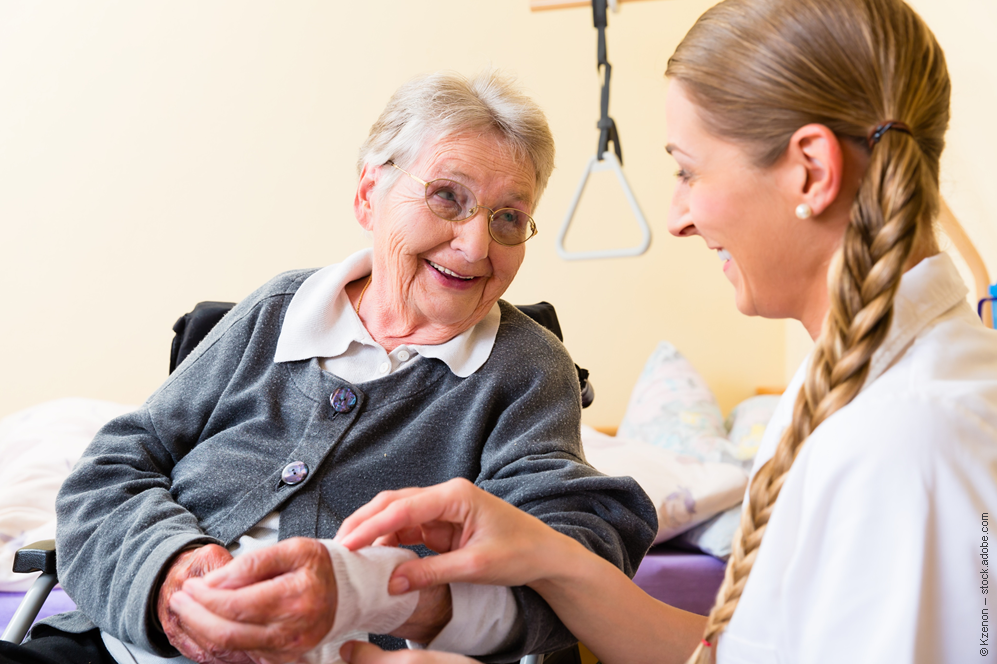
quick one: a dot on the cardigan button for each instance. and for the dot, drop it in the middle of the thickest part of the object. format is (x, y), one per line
(294, 473)
(343, 400)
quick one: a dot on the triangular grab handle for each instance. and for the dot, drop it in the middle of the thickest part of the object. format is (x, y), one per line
(595, 165)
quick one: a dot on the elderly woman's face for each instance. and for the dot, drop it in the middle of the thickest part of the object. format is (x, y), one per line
(442, 273)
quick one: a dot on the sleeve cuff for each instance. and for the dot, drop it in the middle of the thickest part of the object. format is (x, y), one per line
(483, 619)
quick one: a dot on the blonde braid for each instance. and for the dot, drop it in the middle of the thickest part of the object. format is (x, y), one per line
(903, 78)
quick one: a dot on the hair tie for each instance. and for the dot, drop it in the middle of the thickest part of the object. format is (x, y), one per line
(878, 132)
(706, 643)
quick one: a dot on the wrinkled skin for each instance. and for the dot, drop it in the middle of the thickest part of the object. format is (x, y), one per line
(271, 605)
(188, 565)
(408, 300)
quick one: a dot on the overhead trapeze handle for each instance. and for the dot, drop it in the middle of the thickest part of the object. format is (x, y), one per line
(596, 165)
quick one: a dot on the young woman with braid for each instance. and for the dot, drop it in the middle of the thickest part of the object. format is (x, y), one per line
(808, 135)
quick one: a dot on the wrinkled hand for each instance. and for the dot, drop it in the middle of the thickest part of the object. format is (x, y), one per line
(359, 652)
(273, 604)
(488, 540)
(191, 564)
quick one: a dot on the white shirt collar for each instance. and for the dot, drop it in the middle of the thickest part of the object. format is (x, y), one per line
(926, 291)
(321, 322)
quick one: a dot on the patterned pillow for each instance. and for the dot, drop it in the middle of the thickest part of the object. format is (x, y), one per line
(684, 490)
(672, 407)
(746, 425)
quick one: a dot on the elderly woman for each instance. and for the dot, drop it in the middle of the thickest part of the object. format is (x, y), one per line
(399, 366)
(808, 135)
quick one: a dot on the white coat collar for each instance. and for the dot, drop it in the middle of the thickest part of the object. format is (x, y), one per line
(926, 291)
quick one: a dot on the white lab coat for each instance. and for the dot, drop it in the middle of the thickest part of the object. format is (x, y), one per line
(874, 550)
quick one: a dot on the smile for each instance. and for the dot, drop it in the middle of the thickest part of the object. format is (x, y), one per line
(723, 254)
(449, 273)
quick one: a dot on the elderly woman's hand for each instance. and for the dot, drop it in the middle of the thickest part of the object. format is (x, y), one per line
(191, 564)
(273, 605)
(358, 652)
(483, 538)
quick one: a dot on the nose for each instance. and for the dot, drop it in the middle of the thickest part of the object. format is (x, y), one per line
(471, 236)
(680, 222)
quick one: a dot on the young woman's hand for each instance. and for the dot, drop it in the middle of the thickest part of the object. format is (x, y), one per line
(483, 539)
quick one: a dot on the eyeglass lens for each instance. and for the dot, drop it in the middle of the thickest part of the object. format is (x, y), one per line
(454, 202)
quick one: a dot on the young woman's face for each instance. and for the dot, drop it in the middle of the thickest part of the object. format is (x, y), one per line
(776, 262)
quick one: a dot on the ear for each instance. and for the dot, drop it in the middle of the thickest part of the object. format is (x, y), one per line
(817, 165)
(363, 202)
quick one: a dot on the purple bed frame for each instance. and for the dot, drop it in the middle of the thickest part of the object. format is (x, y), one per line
(683, 579)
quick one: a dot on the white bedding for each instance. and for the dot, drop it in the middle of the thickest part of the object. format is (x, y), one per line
(38, 447)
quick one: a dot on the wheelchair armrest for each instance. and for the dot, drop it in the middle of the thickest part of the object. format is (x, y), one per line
(36, 557)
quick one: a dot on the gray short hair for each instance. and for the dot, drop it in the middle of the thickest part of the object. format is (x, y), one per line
(444, 104)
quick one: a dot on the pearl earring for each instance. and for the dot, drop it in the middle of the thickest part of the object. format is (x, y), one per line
(803, 211)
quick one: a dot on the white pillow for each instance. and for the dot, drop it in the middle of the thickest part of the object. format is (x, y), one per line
(716, 536)
(38, 448)
(685, 491)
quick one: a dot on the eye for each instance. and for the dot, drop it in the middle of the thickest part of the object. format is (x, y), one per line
(449, 200)
(509, 216)
(683, 175)
(511, 226)
(446, 194)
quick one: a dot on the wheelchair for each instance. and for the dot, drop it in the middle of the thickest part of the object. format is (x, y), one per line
(189, 330)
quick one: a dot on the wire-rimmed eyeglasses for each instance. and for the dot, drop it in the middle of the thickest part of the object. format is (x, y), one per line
(452, 201)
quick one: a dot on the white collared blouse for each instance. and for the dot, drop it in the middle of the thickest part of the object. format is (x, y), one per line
(876, 548)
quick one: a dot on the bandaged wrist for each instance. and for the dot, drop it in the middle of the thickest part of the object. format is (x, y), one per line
(363, 604)
(485, 618)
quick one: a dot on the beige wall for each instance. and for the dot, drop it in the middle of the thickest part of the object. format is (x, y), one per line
(156, 154)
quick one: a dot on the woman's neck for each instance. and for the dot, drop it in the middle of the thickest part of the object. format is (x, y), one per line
(392, 327)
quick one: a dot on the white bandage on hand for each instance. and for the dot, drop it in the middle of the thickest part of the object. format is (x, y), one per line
(363, 604)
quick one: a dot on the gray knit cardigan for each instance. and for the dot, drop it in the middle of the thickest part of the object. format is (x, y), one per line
(200, 462)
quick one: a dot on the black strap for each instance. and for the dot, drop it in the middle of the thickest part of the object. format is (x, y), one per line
(606, 124)
(193, 326)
